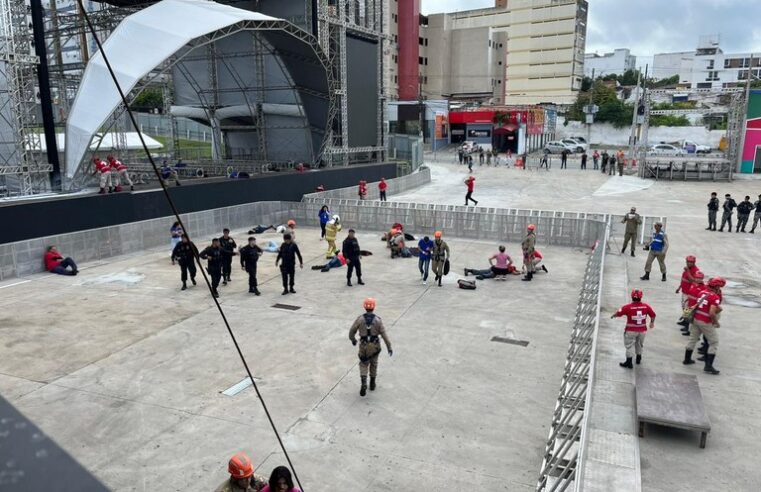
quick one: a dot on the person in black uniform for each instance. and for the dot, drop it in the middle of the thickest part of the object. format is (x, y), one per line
(185, 253)
(216, 255)
(249, 256)
(351, 252)
(228, 244)
(287, 255)
(713, 207)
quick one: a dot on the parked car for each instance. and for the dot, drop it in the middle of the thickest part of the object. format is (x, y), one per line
(667, 149)
(558, 146)
(575, 145)
(691, 147)
(580, 139)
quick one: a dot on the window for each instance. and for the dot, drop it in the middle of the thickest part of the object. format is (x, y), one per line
(420, 41)
(704, 85)
(500, 63)
(419, 60)
(499, 81)
(396, 38)
(426, 41)
(396, 79)
(746, 63)
(710, 65)
(395, 17)
(713, 75)
(727, 62)
(425, 79)
(425, 60)
(742, 75)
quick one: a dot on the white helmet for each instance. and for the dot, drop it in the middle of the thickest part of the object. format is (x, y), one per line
(337, 218)
(281, 229)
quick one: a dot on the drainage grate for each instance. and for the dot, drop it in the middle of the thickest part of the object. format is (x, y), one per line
(511, 341)
(287, 307)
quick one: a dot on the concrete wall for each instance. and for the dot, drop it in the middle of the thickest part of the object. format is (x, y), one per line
(396, 185)
(606, 134)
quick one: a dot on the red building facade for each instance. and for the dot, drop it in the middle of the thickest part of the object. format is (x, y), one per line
(409, 33)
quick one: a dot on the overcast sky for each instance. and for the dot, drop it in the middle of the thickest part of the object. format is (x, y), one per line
(655, 26)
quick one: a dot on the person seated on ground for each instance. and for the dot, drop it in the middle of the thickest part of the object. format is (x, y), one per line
(260, 229)
(538, 261)
(504, 266)
(242, 477)
(167, 173)
(56, 263)
(335, 262)
(281, 481)
(397, 246)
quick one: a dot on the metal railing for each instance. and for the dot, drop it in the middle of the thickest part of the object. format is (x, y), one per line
(566, 446)
(691, 169)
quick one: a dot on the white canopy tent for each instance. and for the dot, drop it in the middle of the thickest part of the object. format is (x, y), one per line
(147, 39)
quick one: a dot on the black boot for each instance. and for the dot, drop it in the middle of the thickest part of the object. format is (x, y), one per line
(184, 286)
(623, 250)
(528, 277)
(372, 383)
(193, 279)
(359, 281)
(688, 358)
(683, 322)
(285, 291)
(363, 389)
(646, 276)
(256, 292)
(703, 349)
(709, 365)
(639, 358)
(545, 269)
(348, 282)
(292, 290)
(215, 293)
(627, 364)
(632, 254)
(663, 277)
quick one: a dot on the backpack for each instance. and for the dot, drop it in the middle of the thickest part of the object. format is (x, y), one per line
(466, 284)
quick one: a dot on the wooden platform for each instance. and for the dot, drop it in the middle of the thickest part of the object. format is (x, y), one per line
(671, 400)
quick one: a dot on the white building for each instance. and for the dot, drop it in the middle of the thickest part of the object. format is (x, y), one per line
(708, 67)
(616, 63)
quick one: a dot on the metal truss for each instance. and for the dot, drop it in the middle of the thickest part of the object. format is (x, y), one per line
(735, 121)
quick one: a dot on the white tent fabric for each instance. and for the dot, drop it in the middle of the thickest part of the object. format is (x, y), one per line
(140, 43)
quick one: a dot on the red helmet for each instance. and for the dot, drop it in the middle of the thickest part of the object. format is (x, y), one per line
(699, 275)
(637, 294)
(369, 304)
(691, 259)
(240, 466)
(291, 222)
(717, 282)
(531, 227)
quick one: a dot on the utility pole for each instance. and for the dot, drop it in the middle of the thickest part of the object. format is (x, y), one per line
(745, 117)
(421, 110)
(590, 110)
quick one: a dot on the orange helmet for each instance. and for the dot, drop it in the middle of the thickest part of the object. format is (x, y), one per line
(437, 234)
(691, 259)
(531, 227)
(369, 304)
(240, 466)
(291, 222)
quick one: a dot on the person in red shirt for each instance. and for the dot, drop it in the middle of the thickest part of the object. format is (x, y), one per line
(119, 171)
(636, 314)
(537, 259)
(692, 293)
(105, 174)
(56, 263)
(362, 189)
(688, 277)
(382, 187)
(706, 323)
(471, 184)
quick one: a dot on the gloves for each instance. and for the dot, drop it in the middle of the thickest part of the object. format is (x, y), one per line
(354, 342)
(390, 352)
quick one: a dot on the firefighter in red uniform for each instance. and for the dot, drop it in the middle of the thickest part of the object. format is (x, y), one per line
(688, 278)
(706, 323)
(119, 171)
(636, 326)
(693, 292)
(105, 175)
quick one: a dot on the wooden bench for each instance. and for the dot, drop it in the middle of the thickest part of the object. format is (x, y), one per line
(671, 400)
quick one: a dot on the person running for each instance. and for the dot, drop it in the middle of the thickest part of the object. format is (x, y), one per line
(636, 314)
(324, 215)
(425, 246)
(185, 253)
(470, 183)
(249, 258)
(215, 254)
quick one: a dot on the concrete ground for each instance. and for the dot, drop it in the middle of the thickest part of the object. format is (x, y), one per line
(670, 459)
(126, 372)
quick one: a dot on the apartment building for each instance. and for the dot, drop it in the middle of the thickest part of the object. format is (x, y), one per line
(616, 63)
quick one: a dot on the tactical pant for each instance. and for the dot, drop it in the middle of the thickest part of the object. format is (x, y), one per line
(712, 219)
(105, 179)
(423, 265)
(528, 262)
(368, 358)
(288, 272)
(227, 266)
(438, 268)
(634, 341)
(216, 276)
(709, 331)
(351, 265)
(185, 268)
(756, 220)
(726, 218)
(251, 277)
(332, 250)
(661, 261)
(630, 236)
(742, 221)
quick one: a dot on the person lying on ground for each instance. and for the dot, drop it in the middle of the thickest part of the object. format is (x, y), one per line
(260, 229)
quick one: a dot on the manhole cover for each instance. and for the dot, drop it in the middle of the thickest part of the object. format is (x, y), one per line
(511, 341)
(287, 307)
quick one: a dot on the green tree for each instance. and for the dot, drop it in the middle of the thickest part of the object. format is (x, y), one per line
(148, 100)
(668, 81)
(611, 109)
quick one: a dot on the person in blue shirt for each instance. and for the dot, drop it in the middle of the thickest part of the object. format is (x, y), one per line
(658, 246)
(324, 215)
(425, 246)
(167, 173)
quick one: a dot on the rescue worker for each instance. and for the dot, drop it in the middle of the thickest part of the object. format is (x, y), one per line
(528, 246)
(757, 215)
(119, 170)
(104, 170)
(538, 261)
(440, 254)
(351, 253)
(470, 183)
(713, 207)
(743, 214)
(291, 229)
(370, 328)
(242, 477)
(706, 323)
(249, 258)
(658, 247)
(726, 217)
(382, 187)
(215, 254)
(694, 291)
(636, 314)
(185, 253)
(229, 245)
(287, 255)
(331, 232)
(632, 220)
(688, 278)
(621, 160)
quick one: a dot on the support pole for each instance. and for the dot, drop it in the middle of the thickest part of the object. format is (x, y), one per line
(745, 106)
(46, 103)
